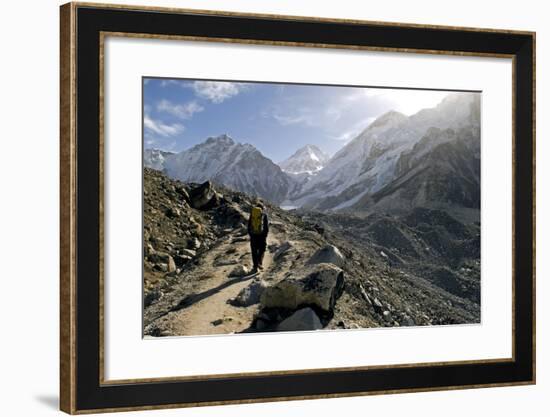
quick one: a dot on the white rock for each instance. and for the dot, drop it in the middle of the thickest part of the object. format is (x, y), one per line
(239, 271)
(303, 319)
(328, 254)
(249, 295)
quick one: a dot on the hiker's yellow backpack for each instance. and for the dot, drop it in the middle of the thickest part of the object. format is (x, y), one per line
(256, 221)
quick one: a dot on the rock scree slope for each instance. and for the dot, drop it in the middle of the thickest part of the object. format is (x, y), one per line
(321, 270)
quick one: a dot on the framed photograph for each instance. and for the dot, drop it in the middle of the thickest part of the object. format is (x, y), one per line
(265, 208)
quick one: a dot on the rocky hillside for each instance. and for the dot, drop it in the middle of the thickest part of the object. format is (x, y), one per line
(322, 271)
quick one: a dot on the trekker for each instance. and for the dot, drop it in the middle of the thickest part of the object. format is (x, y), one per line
(258, 228)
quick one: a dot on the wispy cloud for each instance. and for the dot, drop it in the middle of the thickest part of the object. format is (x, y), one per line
(182, 111)
(170, 83)
(334, 113)
(213, 91)
(287, 120)
(217, 91)
(153, 141)
(300, 116)
(162, 129)
(310, 110)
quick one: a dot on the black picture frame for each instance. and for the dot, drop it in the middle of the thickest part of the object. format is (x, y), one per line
(82, 26)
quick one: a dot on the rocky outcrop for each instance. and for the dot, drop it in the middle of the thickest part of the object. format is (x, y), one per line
(329, 254)
(203, 196)
(317, 285)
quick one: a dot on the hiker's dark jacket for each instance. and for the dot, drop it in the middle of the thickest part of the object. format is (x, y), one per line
(265, 227)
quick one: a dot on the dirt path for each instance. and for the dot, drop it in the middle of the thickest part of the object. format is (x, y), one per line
(207, 310)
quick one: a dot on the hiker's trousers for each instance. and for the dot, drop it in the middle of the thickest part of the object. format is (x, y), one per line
(258, 245)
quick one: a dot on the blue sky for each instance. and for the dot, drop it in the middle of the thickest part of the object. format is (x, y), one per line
(277, 119)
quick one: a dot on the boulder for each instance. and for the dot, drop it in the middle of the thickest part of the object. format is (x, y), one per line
(184, 195)
(303, 319)
(193, 243)
(161, 267)
(203, 197)
(282, 250)
(249, 295)
(171, 264)
(328, 254)
(317, 285)
(173, 273)
(151, 297)
(232, 214)
(188, 252)
(406, 320)
(239, 271)
(261, 325)
(173, 212)
(364, 294)
(181, 260)
(161, 258)
(378, 307)
(148, 249)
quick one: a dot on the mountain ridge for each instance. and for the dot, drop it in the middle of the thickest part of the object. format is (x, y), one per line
(307, 159)
(369, 162)
(366, 173)
(224, 161)
(154, 158)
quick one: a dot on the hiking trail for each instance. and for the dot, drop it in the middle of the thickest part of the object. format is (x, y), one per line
(206, 310)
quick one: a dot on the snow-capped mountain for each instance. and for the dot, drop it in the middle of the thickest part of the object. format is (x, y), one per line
(238, 166)
(428, 159)
(441, 171)
(155, 158)
(308, 159)
(370, 161)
